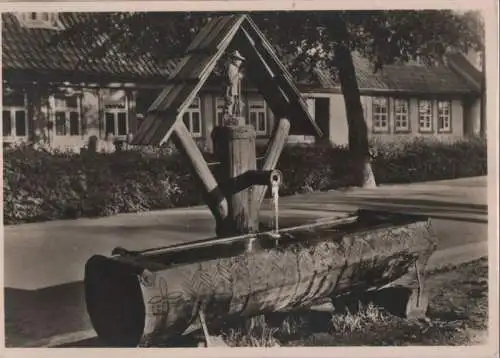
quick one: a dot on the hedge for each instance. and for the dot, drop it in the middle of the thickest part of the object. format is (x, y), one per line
(41, 186)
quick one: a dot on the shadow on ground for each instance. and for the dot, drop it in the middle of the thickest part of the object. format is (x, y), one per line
(32, 316)
(437, 209)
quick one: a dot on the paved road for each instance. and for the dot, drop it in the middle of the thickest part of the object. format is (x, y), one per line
(44, 261)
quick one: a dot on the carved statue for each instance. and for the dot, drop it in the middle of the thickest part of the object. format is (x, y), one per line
(233, 77)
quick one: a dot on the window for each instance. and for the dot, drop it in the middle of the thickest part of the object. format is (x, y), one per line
(219, 111)
(401, 115)
(115, 113)
(257, 116)
(380, 112)
(444, 116)
(192, 118)
(425, 116)
(14, 114)
(67, 115)
(40, 20)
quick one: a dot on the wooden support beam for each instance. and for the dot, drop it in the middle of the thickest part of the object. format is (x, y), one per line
(272, 156)
(215, 199)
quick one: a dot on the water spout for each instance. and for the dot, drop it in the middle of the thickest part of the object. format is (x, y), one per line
(275, 184)
(275, 194)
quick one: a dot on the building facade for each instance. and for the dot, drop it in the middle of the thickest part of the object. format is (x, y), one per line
(51, 95)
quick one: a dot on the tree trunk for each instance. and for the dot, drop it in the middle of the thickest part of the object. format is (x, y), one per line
(358, 131)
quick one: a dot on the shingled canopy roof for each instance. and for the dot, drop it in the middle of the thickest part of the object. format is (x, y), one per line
(267, 73)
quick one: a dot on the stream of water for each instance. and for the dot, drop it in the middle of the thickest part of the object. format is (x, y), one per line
(275, 195)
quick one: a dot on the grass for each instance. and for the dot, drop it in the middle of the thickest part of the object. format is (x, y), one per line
(349, 322)
(254, 332)
(457, 315)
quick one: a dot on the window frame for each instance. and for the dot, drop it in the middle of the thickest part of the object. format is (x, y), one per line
(430, 117)
(262, 109)
(51, 20)
(377, 116)
(219, 110)
(67, 115)
(189, 113)
(13, 123)
(443, 129)
(116, 112)
(401, 129)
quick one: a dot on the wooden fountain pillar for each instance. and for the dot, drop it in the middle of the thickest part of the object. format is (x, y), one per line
(235, 147)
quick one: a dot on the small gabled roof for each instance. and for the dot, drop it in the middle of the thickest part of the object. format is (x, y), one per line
(263, 68)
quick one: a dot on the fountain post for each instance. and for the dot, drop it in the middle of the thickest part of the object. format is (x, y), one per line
(235, 146)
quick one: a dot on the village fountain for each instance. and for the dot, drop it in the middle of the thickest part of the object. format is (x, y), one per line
(144, 298)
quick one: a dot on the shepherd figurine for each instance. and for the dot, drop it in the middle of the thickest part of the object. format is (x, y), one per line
(233, 77)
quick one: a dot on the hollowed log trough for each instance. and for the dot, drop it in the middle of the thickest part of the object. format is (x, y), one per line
(139, 298)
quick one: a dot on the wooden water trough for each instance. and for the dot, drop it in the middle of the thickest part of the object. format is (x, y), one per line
(142, 298)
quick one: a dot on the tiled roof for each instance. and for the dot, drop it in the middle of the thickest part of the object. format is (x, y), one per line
(29, 49)
(400, 78)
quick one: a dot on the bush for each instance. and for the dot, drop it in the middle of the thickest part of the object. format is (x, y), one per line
(428, 159)
(40, 186)
(308, 169)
